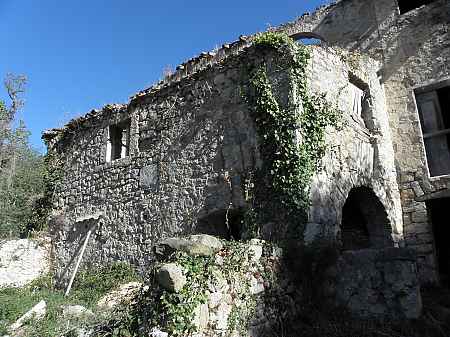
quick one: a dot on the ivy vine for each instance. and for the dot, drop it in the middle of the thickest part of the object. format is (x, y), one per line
(174, 312)
(292, 138)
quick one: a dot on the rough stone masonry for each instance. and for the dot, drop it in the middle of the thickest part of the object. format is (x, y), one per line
(173, 160)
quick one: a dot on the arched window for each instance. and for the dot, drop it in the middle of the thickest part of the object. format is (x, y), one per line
(364, 221)
(308, 38)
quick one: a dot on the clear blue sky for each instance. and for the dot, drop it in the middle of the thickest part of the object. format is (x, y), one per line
(82, 54)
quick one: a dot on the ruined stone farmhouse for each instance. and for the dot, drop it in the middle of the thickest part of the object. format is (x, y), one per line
(176, 158)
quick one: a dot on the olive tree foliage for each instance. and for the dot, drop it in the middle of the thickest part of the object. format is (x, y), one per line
(21, 167)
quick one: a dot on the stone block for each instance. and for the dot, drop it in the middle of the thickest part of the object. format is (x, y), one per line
(124, 294)
(171, 277)
(417, 189)
(195, 245)
(419, 216)
(148, 176)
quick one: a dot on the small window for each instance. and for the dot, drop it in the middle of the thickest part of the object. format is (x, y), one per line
(408, 5)
(433, 104)
(118, 145)
(360, 97)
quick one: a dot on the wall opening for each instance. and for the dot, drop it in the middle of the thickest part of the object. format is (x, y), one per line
(438, 211)
(408, 5)
(308, 38)
(223, 223)
(362, 111)
(118, 144)
(364, 221)
(433, 105)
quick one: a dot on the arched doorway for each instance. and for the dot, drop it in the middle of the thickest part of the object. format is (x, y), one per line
(364, 221)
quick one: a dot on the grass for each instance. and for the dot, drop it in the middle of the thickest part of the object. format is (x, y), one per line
(88, 288)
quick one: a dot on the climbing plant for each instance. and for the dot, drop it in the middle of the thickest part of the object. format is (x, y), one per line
(292, 138)
(174, 312)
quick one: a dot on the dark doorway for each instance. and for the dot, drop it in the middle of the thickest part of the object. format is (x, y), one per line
(439, 213)
(364, 221)
(354, 227)
(226, 224)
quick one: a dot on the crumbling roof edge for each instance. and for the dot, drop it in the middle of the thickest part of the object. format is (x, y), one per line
(76, 122)
(195, 64)
(189, 68)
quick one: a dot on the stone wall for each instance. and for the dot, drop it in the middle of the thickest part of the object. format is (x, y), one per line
(191, 143)
(414, 51)
(358, 155)
(381, 283)
(188, 141)
(250, 289)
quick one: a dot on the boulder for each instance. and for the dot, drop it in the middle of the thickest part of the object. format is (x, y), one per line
(255, 250)
(75, 311)
(171, 277)
(125, 294)
(22, 261)
(158, 333)
(36, 313)
(194, 245)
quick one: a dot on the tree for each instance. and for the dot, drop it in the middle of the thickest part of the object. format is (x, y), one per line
(21, 167)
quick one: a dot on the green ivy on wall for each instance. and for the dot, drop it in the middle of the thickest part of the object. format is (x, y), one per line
(292, 139)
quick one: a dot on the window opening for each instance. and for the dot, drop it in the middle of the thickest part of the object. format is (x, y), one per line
(309, 41)
(408, 5)
(434, 114)
(118, 145)
(361, 101)
(308, 38)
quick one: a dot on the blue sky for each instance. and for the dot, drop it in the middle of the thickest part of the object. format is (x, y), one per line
(80, 55)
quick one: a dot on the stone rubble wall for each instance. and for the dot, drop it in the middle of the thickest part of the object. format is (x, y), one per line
(22, 261)
(377, 283)
(251, 300)
(414, 51)
(361, 154)
(235, 299)
(191, 144)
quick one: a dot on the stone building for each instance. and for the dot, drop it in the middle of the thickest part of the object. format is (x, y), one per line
(411, 41)
(174, 159)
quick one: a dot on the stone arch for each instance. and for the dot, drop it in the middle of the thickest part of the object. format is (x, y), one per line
(365, 222)
(308, 35)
